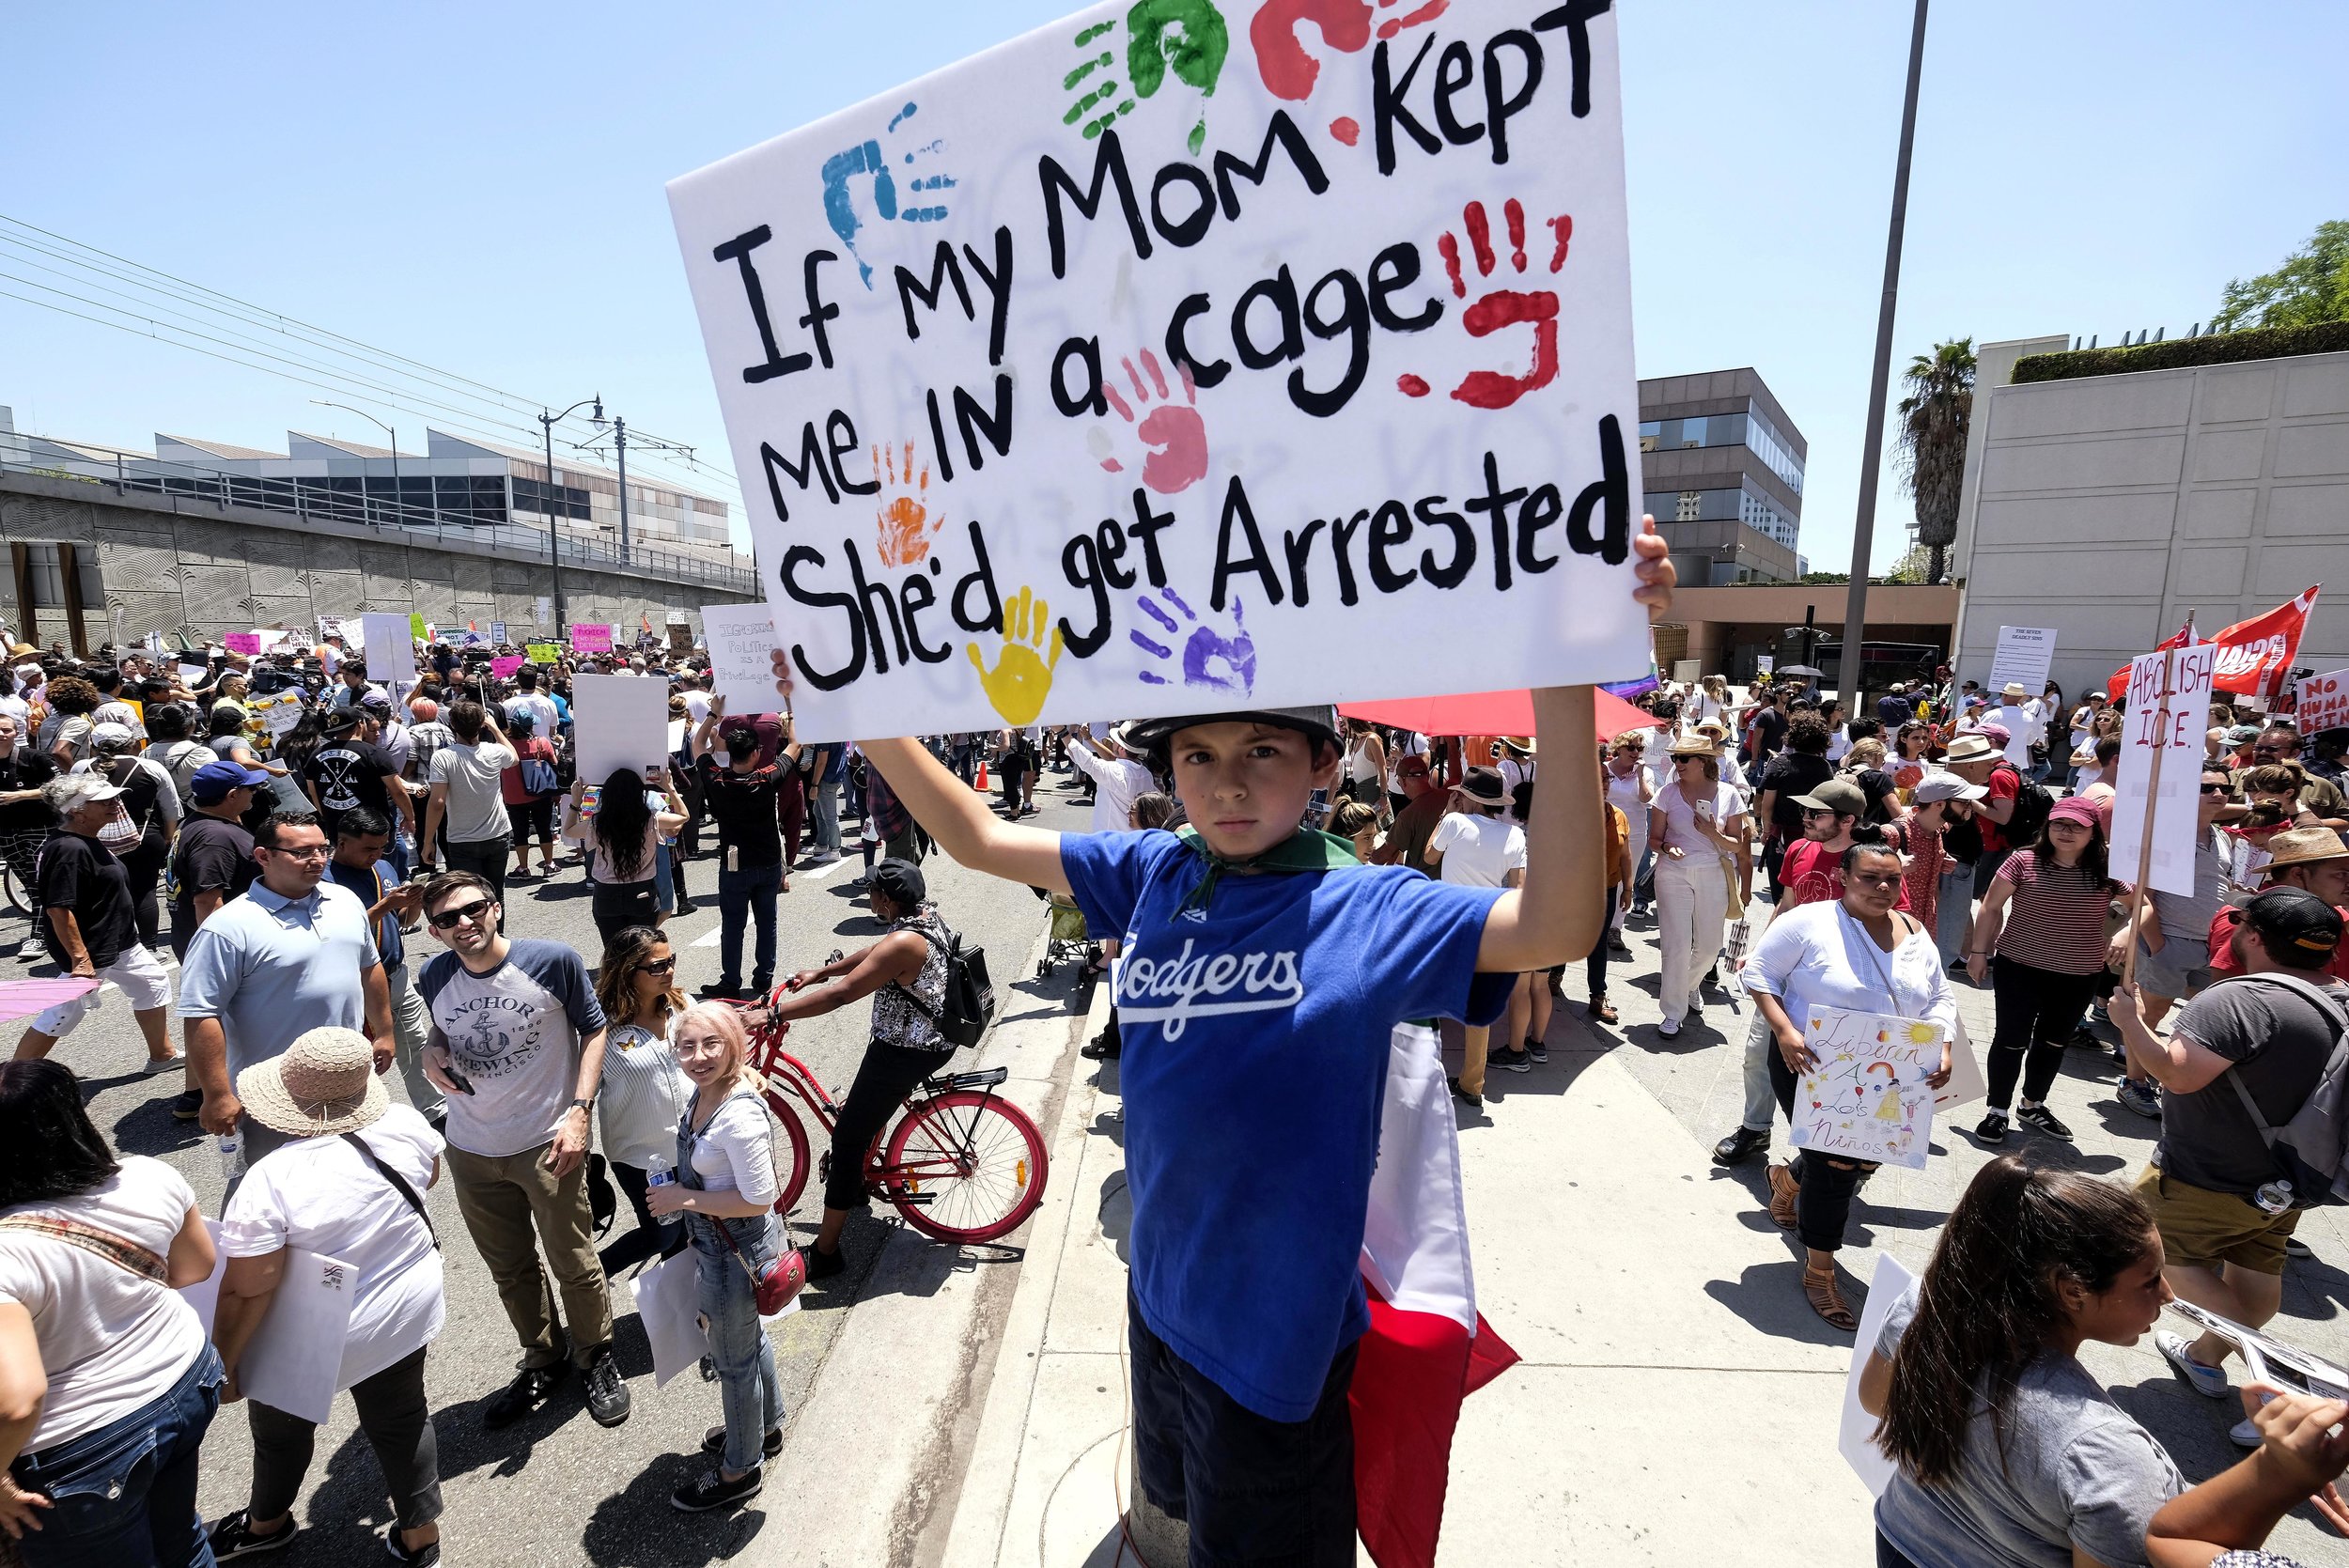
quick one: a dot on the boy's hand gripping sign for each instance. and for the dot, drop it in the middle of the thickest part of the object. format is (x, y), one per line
(1182, 357)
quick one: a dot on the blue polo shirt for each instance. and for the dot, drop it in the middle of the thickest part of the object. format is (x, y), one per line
(271, 969)
(1249, 1202)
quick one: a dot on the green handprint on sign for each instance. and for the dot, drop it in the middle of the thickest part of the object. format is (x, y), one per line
(1184, 36)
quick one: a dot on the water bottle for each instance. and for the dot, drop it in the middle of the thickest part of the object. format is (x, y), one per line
(658, 1171)
(231, 1146)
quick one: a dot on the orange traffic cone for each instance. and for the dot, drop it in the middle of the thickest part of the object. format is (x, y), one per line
(981, 785)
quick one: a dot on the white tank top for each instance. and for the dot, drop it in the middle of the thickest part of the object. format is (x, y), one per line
(1358, 764)
(1624, 793)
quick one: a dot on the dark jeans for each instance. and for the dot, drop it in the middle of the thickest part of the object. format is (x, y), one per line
(1889, 1556)
(652, 1236)
(618, 905)
(1826, 1186)
(1253, 1490)
(486, 859)
(398, 1426)
(124, 1495)
(1773, 856)
(742, 895)
(2038, 1010)
(883, 1080)
(1594, 967)
(143, 869)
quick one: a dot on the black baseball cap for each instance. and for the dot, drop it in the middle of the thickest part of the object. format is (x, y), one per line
(901, 883)
(2295, 917)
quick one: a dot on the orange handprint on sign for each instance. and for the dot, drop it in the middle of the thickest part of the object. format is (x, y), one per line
(907, 523)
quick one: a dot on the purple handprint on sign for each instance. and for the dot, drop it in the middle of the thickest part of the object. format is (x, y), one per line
(1210, 661)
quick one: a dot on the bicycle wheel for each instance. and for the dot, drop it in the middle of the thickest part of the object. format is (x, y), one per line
(13, 890)
(794, 1174)
(965, 1166)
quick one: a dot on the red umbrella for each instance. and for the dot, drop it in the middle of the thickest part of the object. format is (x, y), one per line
(1489, 713)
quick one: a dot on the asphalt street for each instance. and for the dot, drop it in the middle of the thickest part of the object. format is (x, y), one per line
(556, 1488)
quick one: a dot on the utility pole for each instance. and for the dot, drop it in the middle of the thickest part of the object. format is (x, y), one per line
(1849, 679)
(555, 544)
(619, 445)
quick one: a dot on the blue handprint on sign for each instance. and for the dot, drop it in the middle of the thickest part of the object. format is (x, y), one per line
(1209, 660)
(866, 168)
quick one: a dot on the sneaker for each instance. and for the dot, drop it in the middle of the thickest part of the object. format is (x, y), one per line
(33, 951)
(1957, 965)
(718, 990)
(233, 1537)
(608, 1398)
(1740, 1146)
(715, 1491)
(163, 1064)
(2039, 1116)
(187, 1105)
(1669, 1027)
(2295, 1247)
(1474, 1102)
(2210, 1382)
(822, 1265)
(1992, 1127)
(2245, 1434)
(1616, 945)
(714, 1443)
(531, 1387)
(1535, 1049)
(2085, 1039)
(426, 1556)
(1510, 1059)
(2143, 1099)
(686, 906)
(1100, 1047)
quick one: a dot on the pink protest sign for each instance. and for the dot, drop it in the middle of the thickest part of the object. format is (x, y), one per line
(589, 638)
(501, 668)
(247, 643)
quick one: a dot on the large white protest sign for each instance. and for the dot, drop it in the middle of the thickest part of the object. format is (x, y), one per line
(391, 648)
(2322, 701)
(2025, 654)
(619, 722)
(1856, 1439)
(294, 1361)
(2175, 732)
(741, 637)
(1173, 358)
(1867, 1098)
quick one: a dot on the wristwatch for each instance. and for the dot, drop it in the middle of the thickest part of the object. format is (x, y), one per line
(587, 1104)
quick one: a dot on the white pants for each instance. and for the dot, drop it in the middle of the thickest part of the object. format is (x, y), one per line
(1691, 904)
(144, 984)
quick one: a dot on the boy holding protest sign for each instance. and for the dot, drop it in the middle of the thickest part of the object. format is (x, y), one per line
(1246, 959)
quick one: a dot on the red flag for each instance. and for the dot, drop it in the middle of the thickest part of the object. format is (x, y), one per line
(2254, 656)
(1428, 1347)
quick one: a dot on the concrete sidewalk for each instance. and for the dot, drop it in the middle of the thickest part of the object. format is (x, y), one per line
(1647, 1409)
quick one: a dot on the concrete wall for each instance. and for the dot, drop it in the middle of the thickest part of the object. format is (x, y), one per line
(2109, 506)
(173, 565)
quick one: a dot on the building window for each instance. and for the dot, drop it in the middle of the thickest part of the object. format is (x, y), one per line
(46, 577)
(1750, 428)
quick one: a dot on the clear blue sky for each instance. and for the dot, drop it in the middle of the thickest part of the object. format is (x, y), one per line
(479, 187)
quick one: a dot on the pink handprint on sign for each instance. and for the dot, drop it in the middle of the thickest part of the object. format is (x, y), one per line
(1173, 432)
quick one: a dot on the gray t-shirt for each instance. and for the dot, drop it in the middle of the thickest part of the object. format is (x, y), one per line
(514, 1033)
(2077, 1471)
(477, 796)
(2280, 1042)
(2188, 919)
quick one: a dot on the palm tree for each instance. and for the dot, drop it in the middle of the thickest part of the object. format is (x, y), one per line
(1934, 418)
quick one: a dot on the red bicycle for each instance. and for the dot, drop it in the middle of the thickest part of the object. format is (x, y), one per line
(960, 1164)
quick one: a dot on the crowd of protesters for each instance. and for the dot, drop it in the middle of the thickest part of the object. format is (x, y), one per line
(299, 857)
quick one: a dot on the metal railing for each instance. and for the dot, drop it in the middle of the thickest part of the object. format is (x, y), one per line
(353, 502)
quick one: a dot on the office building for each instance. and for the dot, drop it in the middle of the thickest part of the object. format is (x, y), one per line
(1722, 467)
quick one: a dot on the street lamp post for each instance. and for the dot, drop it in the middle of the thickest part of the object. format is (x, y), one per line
(555, 544)
(398, 501)
(1871, 458)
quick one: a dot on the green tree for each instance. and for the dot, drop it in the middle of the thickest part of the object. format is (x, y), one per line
(2311, 286)
(1935, 414)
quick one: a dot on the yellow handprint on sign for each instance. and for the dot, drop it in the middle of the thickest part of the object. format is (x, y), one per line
(1024, 674)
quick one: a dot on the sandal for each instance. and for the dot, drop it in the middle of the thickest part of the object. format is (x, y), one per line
(1783, 1187)
(1603, 1010)
(1820, 1290)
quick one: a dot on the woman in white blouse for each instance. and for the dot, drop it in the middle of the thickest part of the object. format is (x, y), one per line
(726, 1189)
(1863, 956)
(644, 1090)
(1694, 821)
(106, 1381)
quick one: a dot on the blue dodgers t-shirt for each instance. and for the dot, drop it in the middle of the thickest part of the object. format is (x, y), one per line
(1255, 1036)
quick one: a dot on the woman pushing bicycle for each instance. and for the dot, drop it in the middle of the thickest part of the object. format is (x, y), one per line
(906, 1047)
(1263, 973)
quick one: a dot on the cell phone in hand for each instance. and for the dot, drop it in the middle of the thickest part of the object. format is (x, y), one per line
(456, 1075)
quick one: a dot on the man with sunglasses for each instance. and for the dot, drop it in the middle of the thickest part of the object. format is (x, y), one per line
(2280, 743)
(1423, 805)
(517, 1046)
(291, 954)
(1812, 873)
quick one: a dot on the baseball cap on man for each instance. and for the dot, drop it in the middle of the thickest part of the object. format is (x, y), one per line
(213, 783)
(2294, 917)
(1839, 796)
(1938, 785)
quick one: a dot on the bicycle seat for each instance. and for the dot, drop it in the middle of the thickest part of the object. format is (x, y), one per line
(948, 1082)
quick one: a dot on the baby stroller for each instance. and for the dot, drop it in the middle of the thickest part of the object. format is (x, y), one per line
(1066, 942)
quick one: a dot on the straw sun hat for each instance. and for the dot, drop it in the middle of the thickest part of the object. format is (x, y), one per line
(324, 1083)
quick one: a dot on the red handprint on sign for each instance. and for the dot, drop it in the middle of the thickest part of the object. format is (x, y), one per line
(1502, 307)
(1290, 71)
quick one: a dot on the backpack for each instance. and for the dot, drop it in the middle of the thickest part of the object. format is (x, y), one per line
(969, 1000)
(2030, 817)
(2311, 1150)
(538, 777)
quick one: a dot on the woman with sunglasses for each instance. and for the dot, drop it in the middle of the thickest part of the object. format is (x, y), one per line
(1859, 954)
(2041, 938)
(644, 1090)
(1695, 819)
